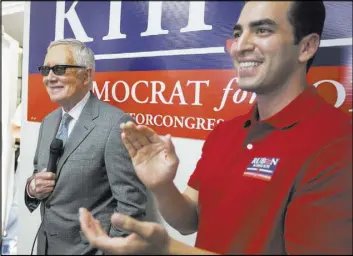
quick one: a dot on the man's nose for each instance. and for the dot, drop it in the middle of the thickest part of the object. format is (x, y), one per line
(51, 76)
(241, 45)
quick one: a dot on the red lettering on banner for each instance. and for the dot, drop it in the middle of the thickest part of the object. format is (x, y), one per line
(186, 103)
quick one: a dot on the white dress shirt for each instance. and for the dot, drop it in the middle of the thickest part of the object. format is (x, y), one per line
(75, 112)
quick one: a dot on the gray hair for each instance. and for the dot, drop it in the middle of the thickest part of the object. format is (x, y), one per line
(83, 55)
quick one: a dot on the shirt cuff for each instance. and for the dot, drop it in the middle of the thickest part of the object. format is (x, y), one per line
(27, 189)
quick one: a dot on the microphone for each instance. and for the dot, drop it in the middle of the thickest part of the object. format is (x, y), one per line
(56, 148)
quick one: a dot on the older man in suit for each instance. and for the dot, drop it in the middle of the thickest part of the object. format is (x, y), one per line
(94, 170)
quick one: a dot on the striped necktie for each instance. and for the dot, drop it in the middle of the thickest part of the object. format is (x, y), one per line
(64, 128)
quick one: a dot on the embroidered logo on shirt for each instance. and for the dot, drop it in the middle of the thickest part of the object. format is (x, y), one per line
(262, 168)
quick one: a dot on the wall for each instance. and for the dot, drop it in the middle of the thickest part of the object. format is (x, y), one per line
(10, 49)
(128, 60)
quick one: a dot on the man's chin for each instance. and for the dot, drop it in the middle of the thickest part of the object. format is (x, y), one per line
(55, 98)
(249, 87)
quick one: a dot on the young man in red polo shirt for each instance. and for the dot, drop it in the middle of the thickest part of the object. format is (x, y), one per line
(275, 181)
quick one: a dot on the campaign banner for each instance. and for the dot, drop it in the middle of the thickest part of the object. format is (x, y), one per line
(167, 64)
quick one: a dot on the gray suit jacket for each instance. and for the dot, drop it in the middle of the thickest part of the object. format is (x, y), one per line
(94, 171)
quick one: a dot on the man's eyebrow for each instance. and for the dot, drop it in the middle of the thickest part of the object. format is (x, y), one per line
(263, 22)
(237, 27)
(257, 23)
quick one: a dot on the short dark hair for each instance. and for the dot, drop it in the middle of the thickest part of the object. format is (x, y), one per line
(307, 17)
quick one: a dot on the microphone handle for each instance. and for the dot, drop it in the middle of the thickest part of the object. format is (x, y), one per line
(52, 164)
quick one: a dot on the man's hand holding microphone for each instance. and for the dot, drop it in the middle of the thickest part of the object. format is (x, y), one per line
(42, 184)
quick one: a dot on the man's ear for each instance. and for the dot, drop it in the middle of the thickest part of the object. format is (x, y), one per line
(88, 76)
(308, 47)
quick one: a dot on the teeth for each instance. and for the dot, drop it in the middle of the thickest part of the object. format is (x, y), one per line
(249, 64)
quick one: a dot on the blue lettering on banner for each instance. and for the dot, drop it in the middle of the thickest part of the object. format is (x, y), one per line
(149, 35)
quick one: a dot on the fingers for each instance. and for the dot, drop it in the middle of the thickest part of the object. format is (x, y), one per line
(132, 137)
(46, 175)
(150, 135)
(144, 134)
(42, 187)
(43, 195)
(141, 239)
(99, 228)
(86, 222)
(168, 140)
(42, 183)
(145, 229)
(135, 137)
(89, 225)
(130, 148)
(43, 192)
(95, 234)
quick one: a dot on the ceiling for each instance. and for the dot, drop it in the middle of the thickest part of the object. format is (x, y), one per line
(12, 19)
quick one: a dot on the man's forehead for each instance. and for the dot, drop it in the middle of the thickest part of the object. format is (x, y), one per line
(256, 10)
(61, 54)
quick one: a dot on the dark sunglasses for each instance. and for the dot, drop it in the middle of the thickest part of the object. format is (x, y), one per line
(58, 70)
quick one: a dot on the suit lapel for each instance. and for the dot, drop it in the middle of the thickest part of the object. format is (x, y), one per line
(82, 128)
(51, 128)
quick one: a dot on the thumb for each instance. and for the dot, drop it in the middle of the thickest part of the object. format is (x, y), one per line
(123, 222)
(132, 225)
(168, 140)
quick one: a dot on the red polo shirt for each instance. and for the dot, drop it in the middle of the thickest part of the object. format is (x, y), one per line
(279, 186)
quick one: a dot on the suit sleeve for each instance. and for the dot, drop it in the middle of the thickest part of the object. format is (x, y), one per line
(319, 216)
(127, 189)
(33, 203)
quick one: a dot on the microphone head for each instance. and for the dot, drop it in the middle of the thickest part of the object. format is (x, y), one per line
(56, 146)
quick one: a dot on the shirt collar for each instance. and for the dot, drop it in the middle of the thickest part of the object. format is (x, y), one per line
(296, 110)
(77, 109)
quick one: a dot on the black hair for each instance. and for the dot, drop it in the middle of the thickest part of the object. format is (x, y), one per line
(307, 17)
